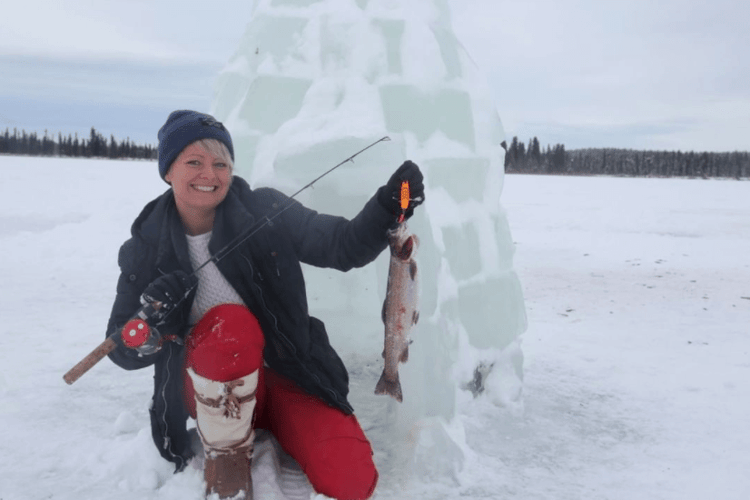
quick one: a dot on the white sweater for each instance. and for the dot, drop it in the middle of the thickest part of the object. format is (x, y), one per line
(213, 288)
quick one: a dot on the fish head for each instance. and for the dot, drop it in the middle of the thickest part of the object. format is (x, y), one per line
(408, 247)
(402, 243)
(406, 250)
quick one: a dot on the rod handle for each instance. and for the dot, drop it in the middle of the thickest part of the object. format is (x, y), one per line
(89, 361)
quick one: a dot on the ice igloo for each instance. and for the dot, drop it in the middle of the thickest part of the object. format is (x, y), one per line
(314, 81)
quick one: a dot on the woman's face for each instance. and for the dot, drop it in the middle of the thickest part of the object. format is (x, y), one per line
(199, 179)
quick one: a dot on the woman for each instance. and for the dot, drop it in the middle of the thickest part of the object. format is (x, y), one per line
(247, 354)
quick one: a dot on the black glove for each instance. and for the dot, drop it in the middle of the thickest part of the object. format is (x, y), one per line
(169, 290)
(390, 195)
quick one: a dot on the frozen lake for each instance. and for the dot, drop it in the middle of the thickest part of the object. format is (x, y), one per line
(637, 355)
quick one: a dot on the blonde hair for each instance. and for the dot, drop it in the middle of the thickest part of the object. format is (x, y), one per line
(218, 149)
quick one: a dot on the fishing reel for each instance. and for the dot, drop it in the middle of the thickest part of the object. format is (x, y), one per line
(140, 333)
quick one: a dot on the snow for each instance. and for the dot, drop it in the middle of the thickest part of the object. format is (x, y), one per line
(636, 365)
(636, 373)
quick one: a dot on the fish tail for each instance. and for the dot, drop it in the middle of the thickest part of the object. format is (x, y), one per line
(390, 387)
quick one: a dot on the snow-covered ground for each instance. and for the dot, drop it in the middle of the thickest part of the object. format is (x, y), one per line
(637, 370)
(638, 349)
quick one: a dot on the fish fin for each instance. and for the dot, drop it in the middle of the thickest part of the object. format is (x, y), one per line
(390, 387)
(415, 318)
(383, 353)
(382, 313)
(413, 270)
(405, 355)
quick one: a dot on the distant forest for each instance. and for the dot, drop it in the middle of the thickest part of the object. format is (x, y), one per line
(532, 159)
(519, 158)
(96, 146)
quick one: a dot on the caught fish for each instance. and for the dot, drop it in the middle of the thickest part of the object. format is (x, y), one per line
(399, 308)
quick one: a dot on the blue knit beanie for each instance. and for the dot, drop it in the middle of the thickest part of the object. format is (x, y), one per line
(182, 129)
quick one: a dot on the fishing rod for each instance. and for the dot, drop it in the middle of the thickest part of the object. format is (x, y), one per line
(239, 240)
(139, 333)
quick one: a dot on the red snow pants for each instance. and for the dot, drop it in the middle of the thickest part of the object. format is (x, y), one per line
(226, 344)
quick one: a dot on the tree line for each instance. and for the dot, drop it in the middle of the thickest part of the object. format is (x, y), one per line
(519, 158)
(532, 159)
(96, 146)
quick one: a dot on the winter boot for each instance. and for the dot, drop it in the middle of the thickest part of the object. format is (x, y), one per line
(224, 415)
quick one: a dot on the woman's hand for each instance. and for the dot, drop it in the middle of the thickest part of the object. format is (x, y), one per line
(167, 293)
(390, 194)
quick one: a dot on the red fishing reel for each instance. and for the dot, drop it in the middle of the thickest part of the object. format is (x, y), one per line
(138, 334)
(135, 333)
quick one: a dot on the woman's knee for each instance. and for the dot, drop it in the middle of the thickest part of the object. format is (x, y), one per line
(226, 344)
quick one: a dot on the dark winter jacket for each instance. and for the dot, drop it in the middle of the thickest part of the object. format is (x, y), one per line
(265, 271)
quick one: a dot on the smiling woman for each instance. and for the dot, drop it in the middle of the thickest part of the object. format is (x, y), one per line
(200, 178)
(195, 158)
(246, 353)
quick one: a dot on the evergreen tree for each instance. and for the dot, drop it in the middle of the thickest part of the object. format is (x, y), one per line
(112, 152)
(521, 157)
(558, 159)
(512, 154)
(535, 153)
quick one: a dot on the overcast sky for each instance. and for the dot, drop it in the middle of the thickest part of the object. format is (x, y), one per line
(659, 74)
